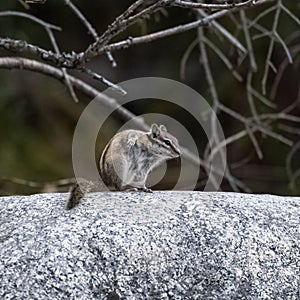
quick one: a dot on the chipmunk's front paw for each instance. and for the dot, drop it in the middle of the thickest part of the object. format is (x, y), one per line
(140, 189)
(146, 190)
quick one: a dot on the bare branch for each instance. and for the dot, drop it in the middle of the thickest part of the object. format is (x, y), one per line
(35, 184)
(99, 48)
(188, 4)
(36, 1)
(36, 66)
(119, 25)
(30, 17)
(64, 60)
(72, 60)
(161, 34)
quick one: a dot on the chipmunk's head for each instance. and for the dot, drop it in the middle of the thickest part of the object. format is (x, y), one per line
(164, 144)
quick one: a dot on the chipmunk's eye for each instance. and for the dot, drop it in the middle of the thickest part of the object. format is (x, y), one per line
(167, 142)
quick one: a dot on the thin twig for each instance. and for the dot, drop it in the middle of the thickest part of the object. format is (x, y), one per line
(289, 129)
(224, 59)
(229, 140)
(207, 69)
(292, 16)
(24, 4)
(214, 138)
(294, 51)
(276, 136)
(83, 19)
(271, 47)
(243, 133)
(255, 143)
(30, 17)
(56, 48)
(104, 80)
(261, 15)
(249, 96)
(259, 28)
(185, 57)
(263, 99)
(284, 46)
(280, 116)
(35, 184)
(242, 162)
(111, 59)
(248, 41)
(234, 41)
(288, 163)
(259, 126)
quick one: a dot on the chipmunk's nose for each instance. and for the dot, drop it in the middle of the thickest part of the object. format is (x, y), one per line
(178, 152)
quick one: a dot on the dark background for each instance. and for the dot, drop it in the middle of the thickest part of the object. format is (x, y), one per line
(38, 116)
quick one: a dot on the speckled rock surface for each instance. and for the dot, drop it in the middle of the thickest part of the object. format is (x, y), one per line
(165, 245)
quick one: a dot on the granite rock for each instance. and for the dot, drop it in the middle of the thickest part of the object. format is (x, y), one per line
(164, 245)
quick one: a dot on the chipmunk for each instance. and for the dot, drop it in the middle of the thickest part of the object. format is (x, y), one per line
(127, 160)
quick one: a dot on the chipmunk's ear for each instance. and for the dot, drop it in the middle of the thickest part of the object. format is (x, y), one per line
(154, 130)
(132, 139)
(163, 128)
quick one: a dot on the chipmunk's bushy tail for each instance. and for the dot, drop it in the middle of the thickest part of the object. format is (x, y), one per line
(78, 191)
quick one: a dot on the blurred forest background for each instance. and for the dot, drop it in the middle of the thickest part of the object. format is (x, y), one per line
(38, 114)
